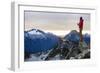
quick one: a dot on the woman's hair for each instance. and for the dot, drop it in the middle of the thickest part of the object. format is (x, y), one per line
(81, 18)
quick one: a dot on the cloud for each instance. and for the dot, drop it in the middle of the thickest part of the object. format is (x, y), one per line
(55, 21)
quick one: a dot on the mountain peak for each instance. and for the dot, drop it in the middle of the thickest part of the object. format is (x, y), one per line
(36, 31)
(37, 41)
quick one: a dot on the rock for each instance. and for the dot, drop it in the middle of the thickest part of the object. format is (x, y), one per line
(68, 47)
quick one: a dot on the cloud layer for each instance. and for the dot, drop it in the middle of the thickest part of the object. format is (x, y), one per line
(55, 21)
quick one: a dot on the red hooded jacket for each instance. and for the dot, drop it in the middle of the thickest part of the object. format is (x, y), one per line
(81, 24)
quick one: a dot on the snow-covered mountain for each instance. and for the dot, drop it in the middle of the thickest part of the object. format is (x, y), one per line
(75, 37)
(86, 38)
(46, 46)
(72, 36)
(37, 41)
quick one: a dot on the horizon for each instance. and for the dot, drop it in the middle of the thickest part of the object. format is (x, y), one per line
(62, 32)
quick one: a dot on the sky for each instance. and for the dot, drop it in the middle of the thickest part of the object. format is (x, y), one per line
(53, 21)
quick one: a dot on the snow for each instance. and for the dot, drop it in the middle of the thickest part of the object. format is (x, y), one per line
(38, 56)
(35, 32)
(41, 56)
(57, 57)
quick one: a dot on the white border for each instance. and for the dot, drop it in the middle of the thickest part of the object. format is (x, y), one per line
(18, 34)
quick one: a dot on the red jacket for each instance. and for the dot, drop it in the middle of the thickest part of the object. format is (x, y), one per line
(81, 24)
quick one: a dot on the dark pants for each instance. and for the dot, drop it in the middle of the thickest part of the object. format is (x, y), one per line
(81, 37)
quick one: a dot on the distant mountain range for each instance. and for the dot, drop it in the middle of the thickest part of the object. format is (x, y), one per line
(36, 40)
(75, 37)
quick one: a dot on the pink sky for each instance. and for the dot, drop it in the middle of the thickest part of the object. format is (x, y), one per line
(55, 21)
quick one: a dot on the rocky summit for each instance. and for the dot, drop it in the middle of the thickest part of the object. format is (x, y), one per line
(40, 46)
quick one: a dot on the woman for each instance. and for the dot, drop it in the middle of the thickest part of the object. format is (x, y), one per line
(80, 24)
